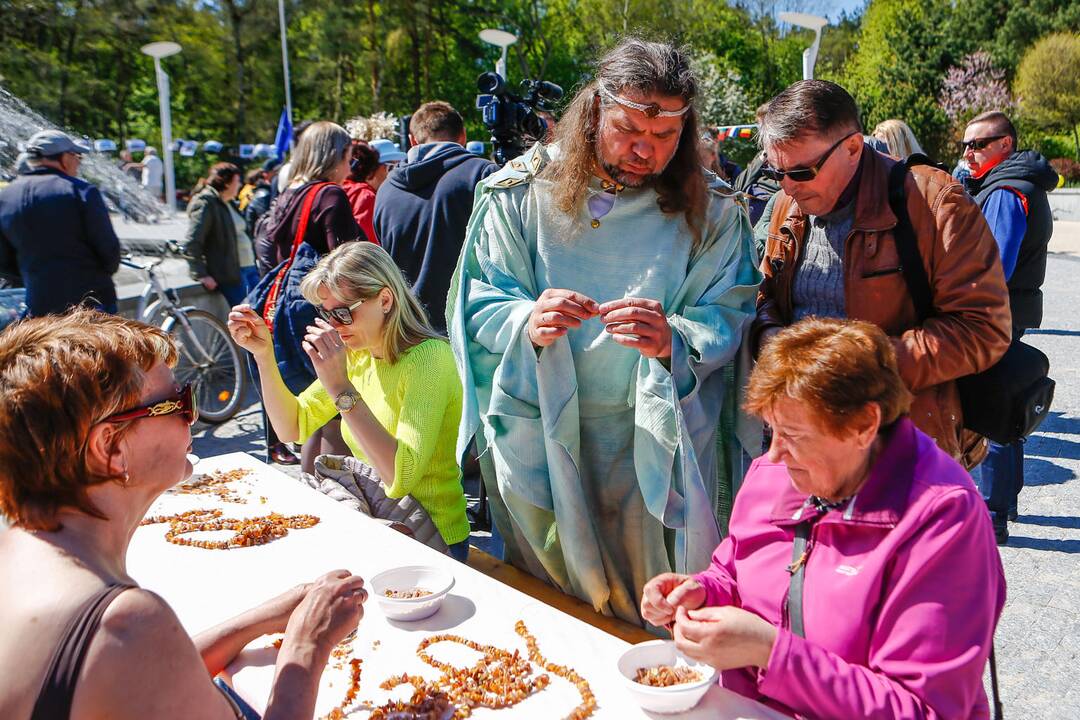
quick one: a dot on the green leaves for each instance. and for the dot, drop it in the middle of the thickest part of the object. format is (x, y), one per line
(1048, 83)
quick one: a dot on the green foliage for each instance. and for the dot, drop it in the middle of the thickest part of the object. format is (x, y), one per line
(1048, 84)
(78, 61)
(1007, 28)
(904, 49)
(839, 42)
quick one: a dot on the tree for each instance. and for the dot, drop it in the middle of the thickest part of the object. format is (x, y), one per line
(972, 88)
(839, 41)
(1007, 28)
(903, 52)
(723, 100)
(78, 61)
(1048, 84)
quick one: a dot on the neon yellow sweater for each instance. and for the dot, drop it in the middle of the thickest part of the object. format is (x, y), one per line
(418, 401)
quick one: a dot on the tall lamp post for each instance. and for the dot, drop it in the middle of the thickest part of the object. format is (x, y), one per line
(285, 58)
(159, 50)
(500, 39)
(811, 22)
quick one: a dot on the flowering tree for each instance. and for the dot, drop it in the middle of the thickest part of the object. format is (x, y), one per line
(722, 100)
(974, 87)
(381, 125)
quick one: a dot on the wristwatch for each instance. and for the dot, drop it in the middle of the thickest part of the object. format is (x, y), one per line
(346, 401)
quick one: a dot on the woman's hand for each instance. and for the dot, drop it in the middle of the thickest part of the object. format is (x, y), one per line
(277, 610)
(328, 354)
(665, 593)
(724, 637)
(330, 609)
(209, 283)
(250, 332)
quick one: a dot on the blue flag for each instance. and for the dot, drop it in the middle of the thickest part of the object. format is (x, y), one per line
(283, 138)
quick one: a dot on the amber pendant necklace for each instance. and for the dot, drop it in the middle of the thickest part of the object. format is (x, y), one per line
(602, 201)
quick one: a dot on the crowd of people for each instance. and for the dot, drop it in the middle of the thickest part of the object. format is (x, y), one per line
(581, 322)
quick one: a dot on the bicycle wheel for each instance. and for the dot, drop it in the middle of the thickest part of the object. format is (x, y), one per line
(210, 361)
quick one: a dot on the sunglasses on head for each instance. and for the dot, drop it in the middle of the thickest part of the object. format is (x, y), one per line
(183, 402)
(805, 174)
(977, 143)
(342, 315)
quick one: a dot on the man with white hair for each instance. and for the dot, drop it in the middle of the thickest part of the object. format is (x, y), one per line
(153, 173)
(55, 231)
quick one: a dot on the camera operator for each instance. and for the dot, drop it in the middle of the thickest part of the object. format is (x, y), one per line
(423, 207)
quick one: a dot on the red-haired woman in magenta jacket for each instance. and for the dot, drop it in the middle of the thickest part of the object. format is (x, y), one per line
(889, 609)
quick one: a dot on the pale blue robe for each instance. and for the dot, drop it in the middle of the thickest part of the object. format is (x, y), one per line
(604, 461)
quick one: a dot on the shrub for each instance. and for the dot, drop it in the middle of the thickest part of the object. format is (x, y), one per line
(1067, 168)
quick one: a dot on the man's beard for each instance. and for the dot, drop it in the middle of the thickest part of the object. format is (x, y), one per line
(621, 177)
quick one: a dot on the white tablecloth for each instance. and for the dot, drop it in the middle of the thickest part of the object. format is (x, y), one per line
(205, 587)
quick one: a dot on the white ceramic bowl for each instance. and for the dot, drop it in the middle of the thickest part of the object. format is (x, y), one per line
(437, 580)
(673, 699)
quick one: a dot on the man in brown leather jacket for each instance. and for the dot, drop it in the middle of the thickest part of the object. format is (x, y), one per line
(830, 252)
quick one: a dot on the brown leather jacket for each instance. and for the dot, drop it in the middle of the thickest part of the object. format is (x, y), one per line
(970, 326)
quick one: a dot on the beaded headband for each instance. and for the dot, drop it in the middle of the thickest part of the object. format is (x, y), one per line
(650, 110)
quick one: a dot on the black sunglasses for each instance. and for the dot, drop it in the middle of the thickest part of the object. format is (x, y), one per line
(183, 402)
(342, 315)
(977, 143)
(805, 174)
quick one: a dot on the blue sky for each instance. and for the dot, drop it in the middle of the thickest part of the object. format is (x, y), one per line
(832, 8)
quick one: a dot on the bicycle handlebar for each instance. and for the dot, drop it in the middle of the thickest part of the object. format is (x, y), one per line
(158, 251)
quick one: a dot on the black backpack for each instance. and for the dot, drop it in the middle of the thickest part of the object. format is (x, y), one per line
(1005, 402)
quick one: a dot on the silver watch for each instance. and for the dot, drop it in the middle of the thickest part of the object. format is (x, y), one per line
(346, 401)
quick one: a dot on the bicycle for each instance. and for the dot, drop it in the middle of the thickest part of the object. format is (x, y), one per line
(208, 357)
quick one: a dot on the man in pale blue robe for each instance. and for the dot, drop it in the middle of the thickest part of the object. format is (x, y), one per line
(590, 342)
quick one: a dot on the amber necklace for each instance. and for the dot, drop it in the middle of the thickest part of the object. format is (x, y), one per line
(602, 201)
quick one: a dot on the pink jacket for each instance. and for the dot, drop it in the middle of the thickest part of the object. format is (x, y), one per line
(903, 589)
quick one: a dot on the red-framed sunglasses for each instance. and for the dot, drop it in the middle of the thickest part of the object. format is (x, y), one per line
(183, 402)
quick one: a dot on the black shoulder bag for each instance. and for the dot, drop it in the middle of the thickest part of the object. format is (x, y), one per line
(1005, 402)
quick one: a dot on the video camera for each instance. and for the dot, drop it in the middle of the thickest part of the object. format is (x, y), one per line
(512, 119)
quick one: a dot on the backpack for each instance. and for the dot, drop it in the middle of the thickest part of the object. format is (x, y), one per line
(1007, 401)
(270, 224)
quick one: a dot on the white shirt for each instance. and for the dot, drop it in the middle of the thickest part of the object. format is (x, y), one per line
(153, 172)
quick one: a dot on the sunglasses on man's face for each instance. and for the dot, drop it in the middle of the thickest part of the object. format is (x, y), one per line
(341, 315)
(977, 143)
(183, 402)
(805, 174)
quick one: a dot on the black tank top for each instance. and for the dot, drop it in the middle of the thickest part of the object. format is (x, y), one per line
(58, 689)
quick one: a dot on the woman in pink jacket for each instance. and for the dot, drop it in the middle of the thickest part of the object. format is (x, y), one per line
(860, 577)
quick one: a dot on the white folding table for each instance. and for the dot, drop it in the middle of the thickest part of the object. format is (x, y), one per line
(205, 587)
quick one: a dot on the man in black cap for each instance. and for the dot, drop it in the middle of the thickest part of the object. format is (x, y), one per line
(55, 231)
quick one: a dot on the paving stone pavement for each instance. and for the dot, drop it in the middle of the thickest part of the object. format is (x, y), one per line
(1038, 638)
(1039, 633)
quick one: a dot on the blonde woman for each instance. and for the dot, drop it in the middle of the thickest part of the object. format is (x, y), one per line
(384, 369)
(322, 156)
(898, 137)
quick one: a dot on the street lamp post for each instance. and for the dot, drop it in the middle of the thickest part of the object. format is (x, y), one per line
(811, 22)
(500, 39)
(285, 58)
(159, 50)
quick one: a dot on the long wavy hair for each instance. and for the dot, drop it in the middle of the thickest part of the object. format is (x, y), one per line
(650, 68)
(359, 270)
